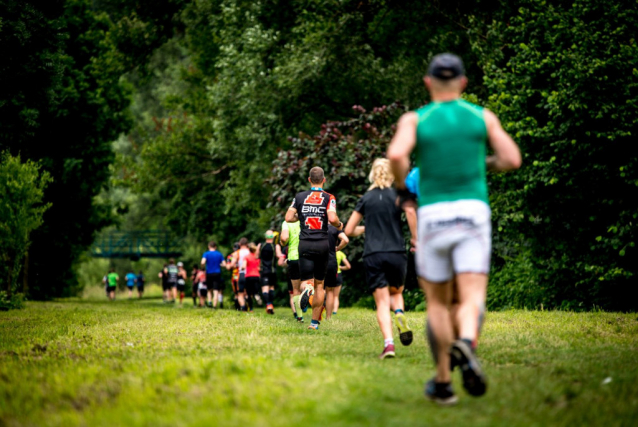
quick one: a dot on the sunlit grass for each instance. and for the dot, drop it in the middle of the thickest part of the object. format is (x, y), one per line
(129, 362)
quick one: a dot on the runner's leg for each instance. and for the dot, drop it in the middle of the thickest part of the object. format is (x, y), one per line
(439, 296)
(337, 291)
(330, 302)
(317, 301)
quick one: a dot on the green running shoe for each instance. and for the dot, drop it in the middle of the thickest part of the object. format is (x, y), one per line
(405, 333)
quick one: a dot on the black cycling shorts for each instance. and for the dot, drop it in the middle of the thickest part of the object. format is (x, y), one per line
(313, 259)
(203, 292)
(331, 276)
(166, 286)
(293, 269)
(214, 282)
(268, 279)
(252, 285)
(385, 269)
(140, 287)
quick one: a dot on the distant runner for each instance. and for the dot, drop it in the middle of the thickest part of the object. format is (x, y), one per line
(111, 283)
(214, 261)
(172, 275)
(384, 255)
(181, 282)
(268, 253)
(141, 280)
(338, 240)
(239, 258)
(166, 287)
(314, 209)
(200, 285)
(332, 299)
(454, 228)
(290, 236)
(252, 275)
(131, 279)
(234, 280)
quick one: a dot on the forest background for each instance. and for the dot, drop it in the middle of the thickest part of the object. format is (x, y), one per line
(202, 117)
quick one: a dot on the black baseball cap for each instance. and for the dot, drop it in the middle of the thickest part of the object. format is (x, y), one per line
(446, 66)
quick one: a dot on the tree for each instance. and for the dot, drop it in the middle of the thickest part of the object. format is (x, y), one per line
(22, 187)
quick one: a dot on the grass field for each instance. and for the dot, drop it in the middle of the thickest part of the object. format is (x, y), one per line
(97, 363)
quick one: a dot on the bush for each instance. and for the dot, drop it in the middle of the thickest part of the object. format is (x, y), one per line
(11, 302)
(21, 209)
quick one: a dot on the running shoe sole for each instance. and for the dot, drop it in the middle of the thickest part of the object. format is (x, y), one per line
(474, 380)
(304, 301)
(441, 401)
(405, 333)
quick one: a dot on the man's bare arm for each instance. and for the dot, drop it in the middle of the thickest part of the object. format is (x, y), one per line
(507, 155)
(333, 219)
(283, 237)
(401, 146)
(291, 215)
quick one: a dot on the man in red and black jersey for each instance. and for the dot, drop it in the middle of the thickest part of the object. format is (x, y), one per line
(314, 209)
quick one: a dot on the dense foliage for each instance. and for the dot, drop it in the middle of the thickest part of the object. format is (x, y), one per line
(218, 87)
(565, 87)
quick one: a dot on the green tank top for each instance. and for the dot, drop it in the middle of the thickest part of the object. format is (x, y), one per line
(294, 228)
(451, 140)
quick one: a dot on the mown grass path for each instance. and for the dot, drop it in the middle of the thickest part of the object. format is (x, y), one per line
(127, 363)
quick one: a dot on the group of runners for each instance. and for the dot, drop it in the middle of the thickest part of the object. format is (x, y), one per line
(133, 280)
(446, 206)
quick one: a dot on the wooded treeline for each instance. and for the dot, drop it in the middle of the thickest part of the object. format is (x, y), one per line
(213, 106)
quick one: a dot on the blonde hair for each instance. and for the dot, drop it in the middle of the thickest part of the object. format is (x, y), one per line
(252, 247)
(380, 174)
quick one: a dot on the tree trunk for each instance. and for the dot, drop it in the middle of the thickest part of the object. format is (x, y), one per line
(25, 274)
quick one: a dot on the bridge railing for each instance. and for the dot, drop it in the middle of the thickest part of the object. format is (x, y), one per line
(136, 244)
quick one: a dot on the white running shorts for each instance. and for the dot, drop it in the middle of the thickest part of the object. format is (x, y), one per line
(453, 237)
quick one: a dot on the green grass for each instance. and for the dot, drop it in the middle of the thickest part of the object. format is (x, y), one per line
(96, 363)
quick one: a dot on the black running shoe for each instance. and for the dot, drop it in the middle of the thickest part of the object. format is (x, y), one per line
(474, 380)
(440, 393)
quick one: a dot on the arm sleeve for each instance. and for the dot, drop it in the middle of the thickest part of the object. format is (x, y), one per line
(332, 204)
(360, 206)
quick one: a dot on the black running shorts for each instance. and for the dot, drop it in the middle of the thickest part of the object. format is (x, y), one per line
(293, 269)
(241, 283)
(214, 282)
(268, 279)
(339, 279)
(253, 285)
(331, 276)
(385, 269)
(166, 286)
(290, 289)
(203, 292)
(140, 287)
(181, 287)
(313, 259)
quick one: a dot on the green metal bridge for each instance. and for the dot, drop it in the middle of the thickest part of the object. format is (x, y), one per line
(136, 245)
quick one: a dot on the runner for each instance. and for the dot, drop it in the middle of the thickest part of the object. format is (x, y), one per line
(384, 255)
(194, 289)
(131, 279)
(290, 236)
(268, 252)
(235, 273)
(283, 263)
(252, 275)
(105, 282)
(140, 284)
(334, 235)
(181, 282)
(314, 209)
(112, 278)
(332, 299)
(172, 274)
(200, 284)
(454, 229)
(166, 287)
(214, 261)
(238, 261)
